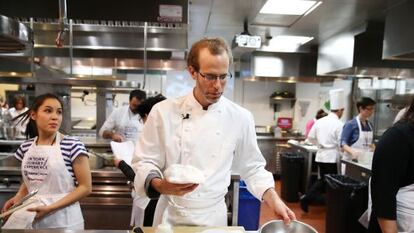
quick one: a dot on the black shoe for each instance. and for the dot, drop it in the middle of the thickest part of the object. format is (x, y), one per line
(304, 203)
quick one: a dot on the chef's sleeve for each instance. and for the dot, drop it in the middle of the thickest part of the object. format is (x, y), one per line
(149, 154)
(109, 123)
(346, 135)
(249, 161)
(389, 168)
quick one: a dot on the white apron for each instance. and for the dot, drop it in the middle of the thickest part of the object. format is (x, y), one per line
(130, 126)
(43, 168)
(176, 211)
(138, 209)
(362, 145)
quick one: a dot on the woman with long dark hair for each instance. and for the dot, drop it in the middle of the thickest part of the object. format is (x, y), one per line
(392, 181)
(54, 164)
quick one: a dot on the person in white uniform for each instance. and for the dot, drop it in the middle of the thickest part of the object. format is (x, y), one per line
(392, 178)
(19, 108)
(325, 133)
(357, 134)
(209, 133)
(54, 164)
(142, 209)
(124, 123)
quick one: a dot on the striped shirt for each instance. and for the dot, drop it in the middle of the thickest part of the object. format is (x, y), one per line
(71, 148)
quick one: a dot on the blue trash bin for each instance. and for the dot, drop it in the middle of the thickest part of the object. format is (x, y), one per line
(249, 209)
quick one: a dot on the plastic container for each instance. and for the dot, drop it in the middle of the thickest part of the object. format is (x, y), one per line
(346, 201)
(249, 209)
(292, 176)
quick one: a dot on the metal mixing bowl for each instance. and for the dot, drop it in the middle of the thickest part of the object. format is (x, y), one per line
(277, 226)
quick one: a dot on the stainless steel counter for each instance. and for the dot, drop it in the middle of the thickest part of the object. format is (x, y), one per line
(357, 171)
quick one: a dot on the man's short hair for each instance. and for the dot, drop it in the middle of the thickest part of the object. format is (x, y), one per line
(146, 106)
(365, 102)
(139, 94)
(215, 46)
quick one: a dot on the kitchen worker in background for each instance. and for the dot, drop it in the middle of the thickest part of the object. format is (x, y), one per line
(326, 133)
(54, 164)
(3, 105)
(137, 216)
(357, 134)
(124, 123)
(19, 108)
(211, 134)
(321, 113)
(392, 179)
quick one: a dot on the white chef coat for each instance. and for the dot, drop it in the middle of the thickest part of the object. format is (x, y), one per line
(20, 126)
(218, 141)
(326, 134)
(124, 122)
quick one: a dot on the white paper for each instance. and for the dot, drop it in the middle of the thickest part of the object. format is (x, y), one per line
(22, 219)
(123, 150)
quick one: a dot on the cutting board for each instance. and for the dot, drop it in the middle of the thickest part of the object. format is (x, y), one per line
(195, 229)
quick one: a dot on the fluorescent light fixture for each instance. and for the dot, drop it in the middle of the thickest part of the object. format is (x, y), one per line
(286, 43)
(313, 7)
(299, 40)
(289, 7)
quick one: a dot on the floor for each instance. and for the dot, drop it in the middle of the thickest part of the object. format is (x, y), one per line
(315, 217)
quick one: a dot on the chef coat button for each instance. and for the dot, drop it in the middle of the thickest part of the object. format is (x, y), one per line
(186, 130)
(213, 155)
(218, 133)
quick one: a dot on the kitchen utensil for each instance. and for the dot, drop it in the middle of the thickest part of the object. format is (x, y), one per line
(29, 195)
(277, 226)
(20, 204)
(95, 161)
(10, 132)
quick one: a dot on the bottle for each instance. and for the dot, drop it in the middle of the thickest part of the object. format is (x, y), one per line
(278, 132)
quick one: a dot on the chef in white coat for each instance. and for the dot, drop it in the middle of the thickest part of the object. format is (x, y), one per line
(213, 135)
(125, 123)
(357, 134)
(326, 133)
(19, 108)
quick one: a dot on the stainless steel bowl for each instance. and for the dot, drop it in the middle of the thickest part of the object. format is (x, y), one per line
(277, 226)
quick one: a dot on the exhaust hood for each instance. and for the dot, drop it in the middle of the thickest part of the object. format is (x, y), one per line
(14, 36)
(360, 54)
(284, 67)
(399, 34)
(105, 32)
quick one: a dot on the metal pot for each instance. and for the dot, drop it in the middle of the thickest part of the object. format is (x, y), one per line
(95, 162)
(277, 226)
(10, 132)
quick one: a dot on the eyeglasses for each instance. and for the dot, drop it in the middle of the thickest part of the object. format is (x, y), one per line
(214, 77)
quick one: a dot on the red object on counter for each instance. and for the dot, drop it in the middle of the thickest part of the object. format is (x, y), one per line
(284, 122)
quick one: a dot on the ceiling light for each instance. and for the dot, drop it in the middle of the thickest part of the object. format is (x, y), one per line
(299, 40)
(288, 7)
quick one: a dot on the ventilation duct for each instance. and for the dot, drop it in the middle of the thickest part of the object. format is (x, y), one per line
(399, 34)
(278, 66)
(14, 36)
(360, 54)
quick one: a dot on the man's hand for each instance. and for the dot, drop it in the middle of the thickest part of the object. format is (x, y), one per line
(164, 187)
(117, 137)
(278, 206)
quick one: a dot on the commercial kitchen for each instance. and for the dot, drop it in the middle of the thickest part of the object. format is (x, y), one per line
(287, 59)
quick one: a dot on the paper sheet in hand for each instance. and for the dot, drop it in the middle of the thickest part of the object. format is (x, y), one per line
(21, 218)
(123, 150)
